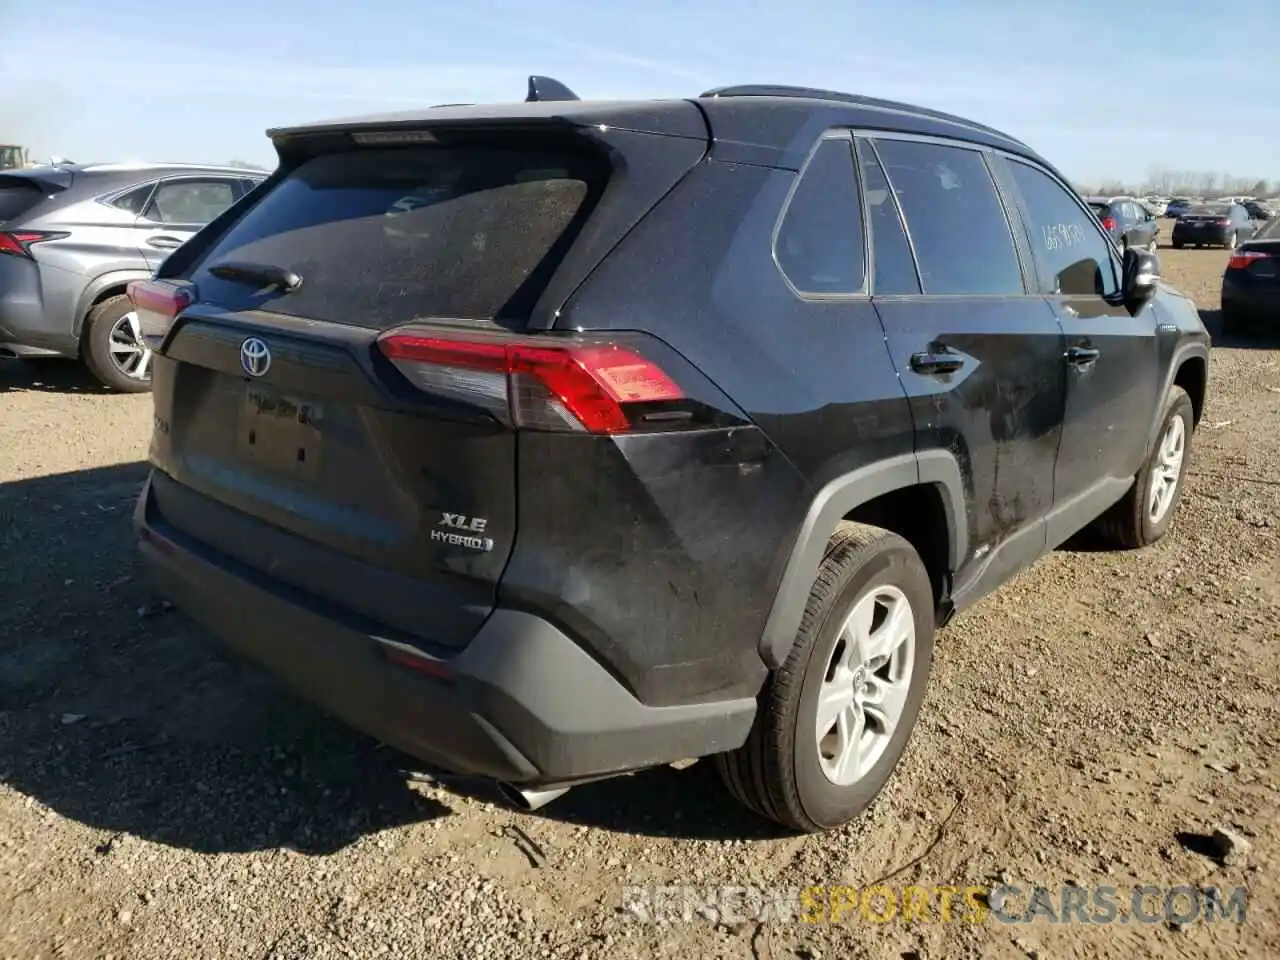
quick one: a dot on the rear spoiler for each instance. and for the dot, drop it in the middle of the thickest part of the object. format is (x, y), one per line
(48, 179)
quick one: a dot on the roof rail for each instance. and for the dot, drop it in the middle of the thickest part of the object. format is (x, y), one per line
(816, 93)
(547, 88)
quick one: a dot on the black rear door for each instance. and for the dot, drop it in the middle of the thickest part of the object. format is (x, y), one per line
(979, 357)
(287, 441)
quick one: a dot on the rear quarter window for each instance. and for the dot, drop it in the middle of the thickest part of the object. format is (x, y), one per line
(383, 237)
(819, 245)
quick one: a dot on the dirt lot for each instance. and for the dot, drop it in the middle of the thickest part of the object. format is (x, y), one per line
(159, 799)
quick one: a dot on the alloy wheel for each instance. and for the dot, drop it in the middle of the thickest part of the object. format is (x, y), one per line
(865, 686)
(1167, 470)
(129, 352)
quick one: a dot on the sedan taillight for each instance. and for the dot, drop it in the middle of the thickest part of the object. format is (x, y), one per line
(1241, 259)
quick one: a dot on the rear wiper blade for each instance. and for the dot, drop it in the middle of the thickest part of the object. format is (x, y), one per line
(261, 274)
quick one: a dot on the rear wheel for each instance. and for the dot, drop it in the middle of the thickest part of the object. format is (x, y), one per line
(114, 350)
(834, 719)
(1145, 513)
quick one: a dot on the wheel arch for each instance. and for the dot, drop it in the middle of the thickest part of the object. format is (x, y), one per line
(1188, 368)
(928, 483)
(103, 288)
(1192, 375)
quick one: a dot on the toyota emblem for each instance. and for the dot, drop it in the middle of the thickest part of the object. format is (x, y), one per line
(255, 357)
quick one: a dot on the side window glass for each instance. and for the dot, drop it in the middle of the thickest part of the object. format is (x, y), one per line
(190, 201)
(134, 200)
(957, 224)
(893, 266)
(1071, 254)
(819, 244)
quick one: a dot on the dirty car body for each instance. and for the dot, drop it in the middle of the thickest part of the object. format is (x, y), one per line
(515, 434)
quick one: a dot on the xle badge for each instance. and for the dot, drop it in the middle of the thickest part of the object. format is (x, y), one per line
(462, 531)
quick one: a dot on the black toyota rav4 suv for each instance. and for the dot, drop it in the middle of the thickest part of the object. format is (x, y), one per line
(553, 440)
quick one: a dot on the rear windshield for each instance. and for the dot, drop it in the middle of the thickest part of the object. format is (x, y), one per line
(383, 237)
(1101, 209)
(17, 196)
(1210, 210)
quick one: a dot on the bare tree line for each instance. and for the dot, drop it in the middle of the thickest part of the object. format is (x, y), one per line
(1198, 183)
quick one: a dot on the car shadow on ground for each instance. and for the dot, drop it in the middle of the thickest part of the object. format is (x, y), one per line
(47, 376)
(120, 714)
(1259, 337)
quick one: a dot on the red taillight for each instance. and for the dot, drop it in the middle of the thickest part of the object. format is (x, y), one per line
(158, 303)
(1109, 223)
(1241, 259)
(19, 243)
(540, 386)
(418, 662)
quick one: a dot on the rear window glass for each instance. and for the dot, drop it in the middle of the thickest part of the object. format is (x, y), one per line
(1101, 209)
(17, 196)
(383, 237)
(954, 217)
(1220, 210)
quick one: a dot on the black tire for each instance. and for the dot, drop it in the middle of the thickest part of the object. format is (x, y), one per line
(777, 772)
(97, 349)
(1128, 525)
(1178, 244)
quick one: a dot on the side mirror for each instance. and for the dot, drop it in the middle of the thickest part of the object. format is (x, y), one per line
(1141, 272)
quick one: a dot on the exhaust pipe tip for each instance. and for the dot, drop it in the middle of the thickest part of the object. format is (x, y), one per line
(530, 800)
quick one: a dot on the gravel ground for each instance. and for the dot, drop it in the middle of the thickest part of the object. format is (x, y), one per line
(1091, 723)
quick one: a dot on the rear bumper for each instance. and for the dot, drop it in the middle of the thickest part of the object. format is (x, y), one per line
(1253, 303)
(521, 703)
(24, 322)
(1214, 235)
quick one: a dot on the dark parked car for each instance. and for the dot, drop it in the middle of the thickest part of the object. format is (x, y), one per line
(1213, 224)
(1251, 283)
(1129, 222)
(1177, 207)
(1258, 213)
(72, 237)
(549, 441)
